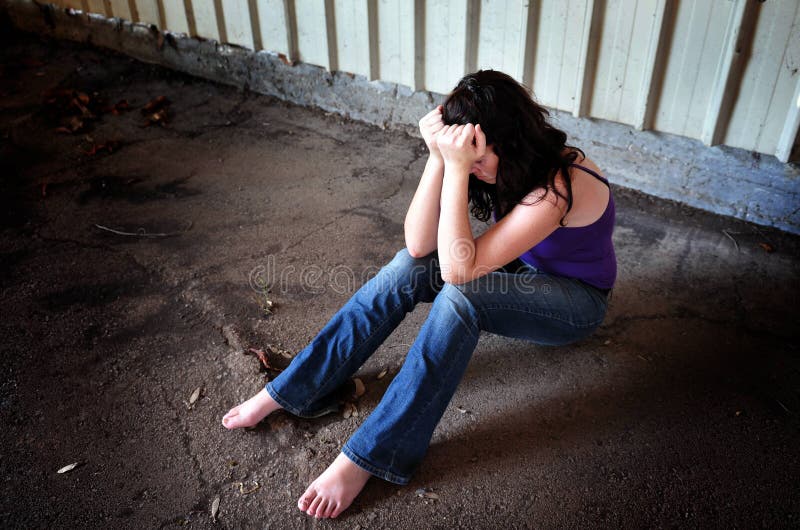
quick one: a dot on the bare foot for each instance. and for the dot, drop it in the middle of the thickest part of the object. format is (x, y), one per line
(333, 491)
(251, 411)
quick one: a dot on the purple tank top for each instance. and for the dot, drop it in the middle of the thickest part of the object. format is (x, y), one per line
(584, 252)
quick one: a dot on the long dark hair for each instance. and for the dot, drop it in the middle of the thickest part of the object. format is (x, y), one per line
(529, 148)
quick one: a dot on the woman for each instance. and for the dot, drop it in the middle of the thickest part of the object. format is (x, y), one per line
(491, 147)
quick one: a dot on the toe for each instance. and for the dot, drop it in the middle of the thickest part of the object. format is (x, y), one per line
(312, 510)
(306, 499)
(330, 509)
(321, 509)
(336, 511)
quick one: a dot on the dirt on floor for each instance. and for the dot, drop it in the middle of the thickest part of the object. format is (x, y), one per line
(143, 251)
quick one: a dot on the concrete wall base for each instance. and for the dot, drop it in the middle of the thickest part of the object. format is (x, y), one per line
(719, 179)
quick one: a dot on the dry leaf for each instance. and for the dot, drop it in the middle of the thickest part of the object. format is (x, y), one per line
(423, 492)
(285, 59)
(109, 146)
(195, 395)
(155, 104)
(767, 247)
(243, 491)
(382, 374)
(360, 388)
(68, 468)
(215, 508)
(262, 356)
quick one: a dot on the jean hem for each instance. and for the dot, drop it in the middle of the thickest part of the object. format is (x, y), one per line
(374, 470)
(293, 410)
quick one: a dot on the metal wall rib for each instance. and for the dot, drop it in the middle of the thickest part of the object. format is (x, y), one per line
(722, 71)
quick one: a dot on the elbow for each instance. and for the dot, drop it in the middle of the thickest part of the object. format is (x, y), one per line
(416, 252)
(454, 279)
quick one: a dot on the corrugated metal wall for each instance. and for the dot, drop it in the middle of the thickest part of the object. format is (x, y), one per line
(722, 71)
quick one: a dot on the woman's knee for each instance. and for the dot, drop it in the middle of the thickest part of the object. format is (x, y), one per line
(458, 303)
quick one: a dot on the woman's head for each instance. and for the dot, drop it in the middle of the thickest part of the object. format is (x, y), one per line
(527, 151)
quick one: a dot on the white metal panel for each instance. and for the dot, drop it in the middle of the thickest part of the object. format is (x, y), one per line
(273, 26)
(622, 59)
(768, 83)
(97, 6)
(695, 49)
(598, 58)
(205, 19)
(396, 30)
(238, 27)
(312, 34)
(558, 51)
(121, 9)
(445, 43)
(148, 12)
(790, 126)
(501, 37)
(352, 36)
(175, 15)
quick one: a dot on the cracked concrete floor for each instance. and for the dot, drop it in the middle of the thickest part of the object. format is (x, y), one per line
(682, 410)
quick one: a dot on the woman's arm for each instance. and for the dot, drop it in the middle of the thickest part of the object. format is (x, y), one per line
(461, 257)
(422, 218)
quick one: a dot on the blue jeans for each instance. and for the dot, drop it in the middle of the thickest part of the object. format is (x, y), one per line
(391, 442)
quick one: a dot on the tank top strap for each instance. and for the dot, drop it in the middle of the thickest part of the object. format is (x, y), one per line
(591, 172)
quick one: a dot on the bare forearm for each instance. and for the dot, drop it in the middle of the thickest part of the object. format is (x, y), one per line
(422, 219)
(455, 241)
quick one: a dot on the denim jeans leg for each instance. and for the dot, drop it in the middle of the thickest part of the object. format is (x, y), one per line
(531, 305)
(395, 436)
(307, 387)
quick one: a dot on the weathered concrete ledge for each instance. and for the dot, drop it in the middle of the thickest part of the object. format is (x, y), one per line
(719, 179)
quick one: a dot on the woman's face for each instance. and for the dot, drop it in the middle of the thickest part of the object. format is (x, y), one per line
(485, 168)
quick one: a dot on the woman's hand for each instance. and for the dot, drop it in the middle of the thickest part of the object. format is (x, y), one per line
(461, 145)
(430, 125)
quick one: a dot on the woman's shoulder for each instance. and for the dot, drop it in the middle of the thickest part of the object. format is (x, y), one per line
(590, 195)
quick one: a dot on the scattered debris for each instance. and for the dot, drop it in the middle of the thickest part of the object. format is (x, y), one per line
(110, 146)
(143, 233)
(462, 410)
(607, 342)
(244, 491)
(156, 111)
(262, 356)
(118, 108)
(382, 374)
(784, 407)
(215, 508)
(194, 397)
(286, 354)
(736, 243)
(360, 388)
(426, 493)
(767, 247)
(68, 468)
(285, 60)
